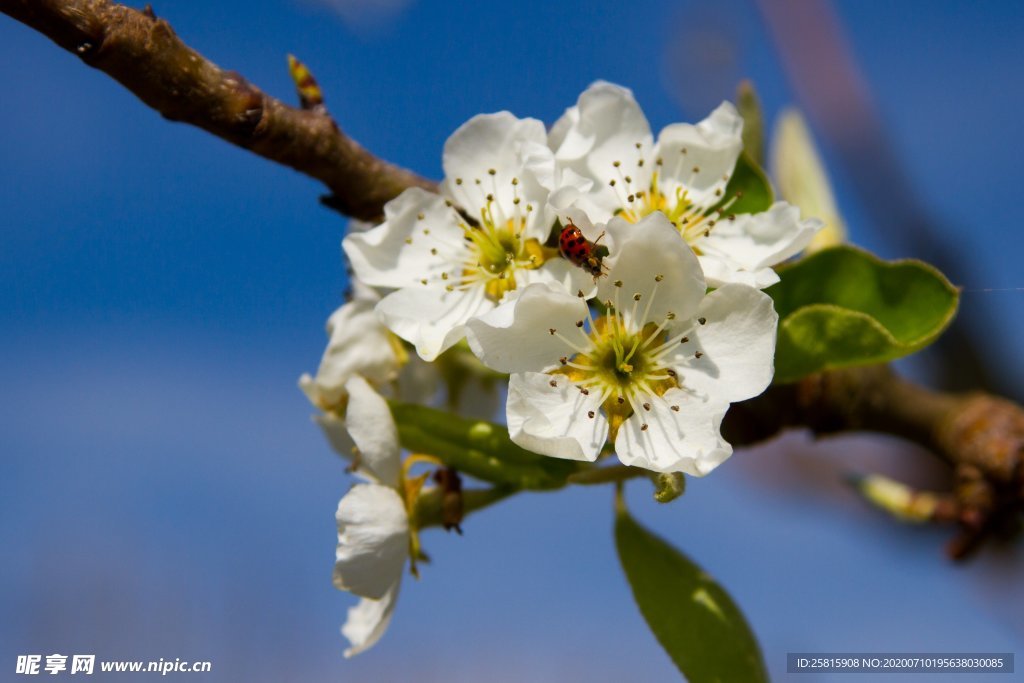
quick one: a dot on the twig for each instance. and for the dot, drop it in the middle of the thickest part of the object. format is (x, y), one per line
(143, 53)
(980, 436)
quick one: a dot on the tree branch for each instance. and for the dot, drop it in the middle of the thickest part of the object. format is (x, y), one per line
(143, 53)
(980, 436)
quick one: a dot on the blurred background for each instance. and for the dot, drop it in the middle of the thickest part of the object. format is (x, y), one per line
(163, 492)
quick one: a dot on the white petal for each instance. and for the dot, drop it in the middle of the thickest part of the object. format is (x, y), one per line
(720, 271)
(554, 421)
(711, 147)
(336, 431)
(570, 186)
(356, 225)
(373, 540)
(759, 240)
(603, 127)
(498, 142)
(516, 336)
(737, 345)
(358, 344)
(360, 291)
(688, 440)
(430, 318)
(562, 275)
(397, 253)
(538, 164)
(562, 129)
(368, 620)
(644, 252)
(373, 430)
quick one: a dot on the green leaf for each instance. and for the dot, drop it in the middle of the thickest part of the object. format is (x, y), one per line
(478, 448)
(843, 307)
(692, 617)
(750, 183)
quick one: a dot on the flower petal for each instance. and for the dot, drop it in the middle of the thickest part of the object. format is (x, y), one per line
(373, 430)
(516, 336)
(358, 344)
(650, 260)
(368, 620)
(336, 431)
(756, 241)
(665, 440)
(701, 157)
(560, 274)
(489, 142)
(554, 421)
(373, 540)
(720, 271)
(603, 127)
(736, 343)
(397, 253)
(431, 318)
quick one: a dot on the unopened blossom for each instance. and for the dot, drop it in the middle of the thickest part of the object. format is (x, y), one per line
(652, 369)
(375, 538)
(683, 175)
(802, 179)
(454, 255)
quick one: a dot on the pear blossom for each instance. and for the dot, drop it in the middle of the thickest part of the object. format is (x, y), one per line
(653, 369)
(683, 175)
(375, 537)
(358, 345)
(454, 255)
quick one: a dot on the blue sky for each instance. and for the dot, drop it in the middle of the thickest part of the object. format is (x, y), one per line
(164, 492)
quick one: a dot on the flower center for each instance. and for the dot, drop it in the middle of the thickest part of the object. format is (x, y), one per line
(693, 220)
(497, 248)
(622, 359)
(497, 252)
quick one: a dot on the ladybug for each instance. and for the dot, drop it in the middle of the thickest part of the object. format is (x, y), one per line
(582, 252)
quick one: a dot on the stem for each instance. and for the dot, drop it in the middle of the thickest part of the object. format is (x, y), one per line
(428, 512)
(980, 436)
(607, 475)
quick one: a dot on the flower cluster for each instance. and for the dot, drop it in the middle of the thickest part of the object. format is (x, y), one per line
(604, 272)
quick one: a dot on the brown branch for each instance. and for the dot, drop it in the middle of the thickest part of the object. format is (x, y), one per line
(980, 436)
(143, 53)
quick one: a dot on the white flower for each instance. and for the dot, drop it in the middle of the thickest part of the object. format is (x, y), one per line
(358, 345)
(374, 534)
(654, 372)
(683, 175)
(447, 267)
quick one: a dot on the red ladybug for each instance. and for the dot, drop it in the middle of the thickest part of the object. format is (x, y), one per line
(582, 252)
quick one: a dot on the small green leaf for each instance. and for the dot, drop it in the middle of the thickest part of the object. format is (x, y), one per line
(478, 448)
(843, 307)
(692, 617)
(750, 184)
